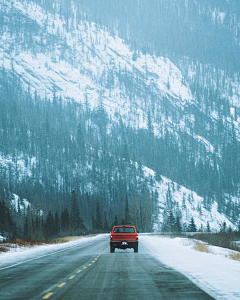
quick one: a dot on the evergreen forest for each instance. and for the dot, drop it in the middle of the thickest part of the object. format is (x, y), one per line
(81, 170)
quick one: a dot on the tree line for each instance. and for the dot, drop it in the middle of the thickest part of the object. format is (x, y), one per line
(29, 224)
(173, 224)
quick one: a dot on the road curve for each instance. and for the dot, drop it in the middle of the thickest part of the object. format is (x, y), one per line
(90, 271)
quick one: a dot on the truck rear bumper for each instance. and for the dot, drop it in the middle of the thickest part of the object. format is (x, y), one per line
(124, 244)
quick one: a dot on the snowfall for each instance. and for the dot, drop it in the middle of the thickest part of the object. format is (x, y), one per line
(214, 272)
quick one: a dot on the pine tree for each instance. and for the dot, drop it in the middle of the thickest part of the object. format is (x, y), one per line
(125, 151)
(208, 227)
(76, 221)
(81, 143)
(115, 221)
(27, 232)
(26, 229)
(93, 222)
(49, 226)
(171, 221)
(192, 227)
(184, 201)
(65, 220)
(224, 227)
(2, 215)
(98, 217)
(56, 224)
(105, 227)
(127, 213)
(178, 227)
(169, 225)
(6, 220)
(141, 217)
(150, 126)
(169, 200)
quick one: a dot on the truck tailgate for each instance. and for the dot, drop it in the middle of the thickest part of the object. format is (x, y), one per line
(123, 237)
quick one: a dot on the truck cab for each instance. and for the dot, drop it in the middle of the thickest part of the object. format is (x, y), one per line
(122, 237)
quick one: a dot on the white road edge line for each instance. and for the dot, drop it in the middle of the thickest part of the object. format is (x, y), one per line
(23, 262)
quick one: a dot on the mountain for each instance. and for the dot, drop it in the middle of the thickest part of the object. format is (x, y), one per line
(86, 107)
(81, 59)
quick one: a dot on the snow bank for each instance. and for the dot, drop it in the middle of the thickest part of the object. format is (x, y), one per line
(19, 255)
(215, 272)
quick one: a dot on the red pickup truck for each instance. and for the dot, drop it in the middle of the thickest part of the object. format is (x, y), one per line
(123, 236)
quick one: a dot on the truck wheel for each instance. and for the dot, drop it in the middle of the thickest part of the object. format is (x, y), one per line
(136, 249)
(112, 249)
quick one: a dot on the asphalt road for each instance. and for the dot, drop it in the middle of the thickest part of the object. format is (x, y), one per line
(90, 271)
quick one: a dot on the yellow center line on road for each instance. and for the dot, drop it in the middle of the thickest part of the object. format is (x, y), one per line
(62, 284)
(48, 295)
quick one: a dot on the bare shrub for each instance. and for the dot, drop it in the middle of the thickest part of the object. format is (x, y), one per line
(3, 249)
(201, 247)
(220, 239)
(235, 256)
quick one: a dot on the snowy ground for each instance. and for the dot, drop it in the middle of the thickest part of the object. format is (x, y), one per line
(213, 272)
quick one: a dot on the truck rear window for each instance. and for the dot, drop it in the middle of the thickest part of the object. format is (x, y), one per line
(123, 230)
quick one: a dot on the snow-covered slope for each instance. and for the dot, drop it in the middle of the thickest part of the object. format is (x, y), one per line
(21, 166)
(88, 61)
(185, 204)
(85, 62)
(19, 204)
(171, 196)
(78, 60)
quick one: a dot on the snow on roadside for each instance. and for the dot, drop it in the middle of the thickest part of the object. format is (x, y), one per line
(18, 255)
(215, 272)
